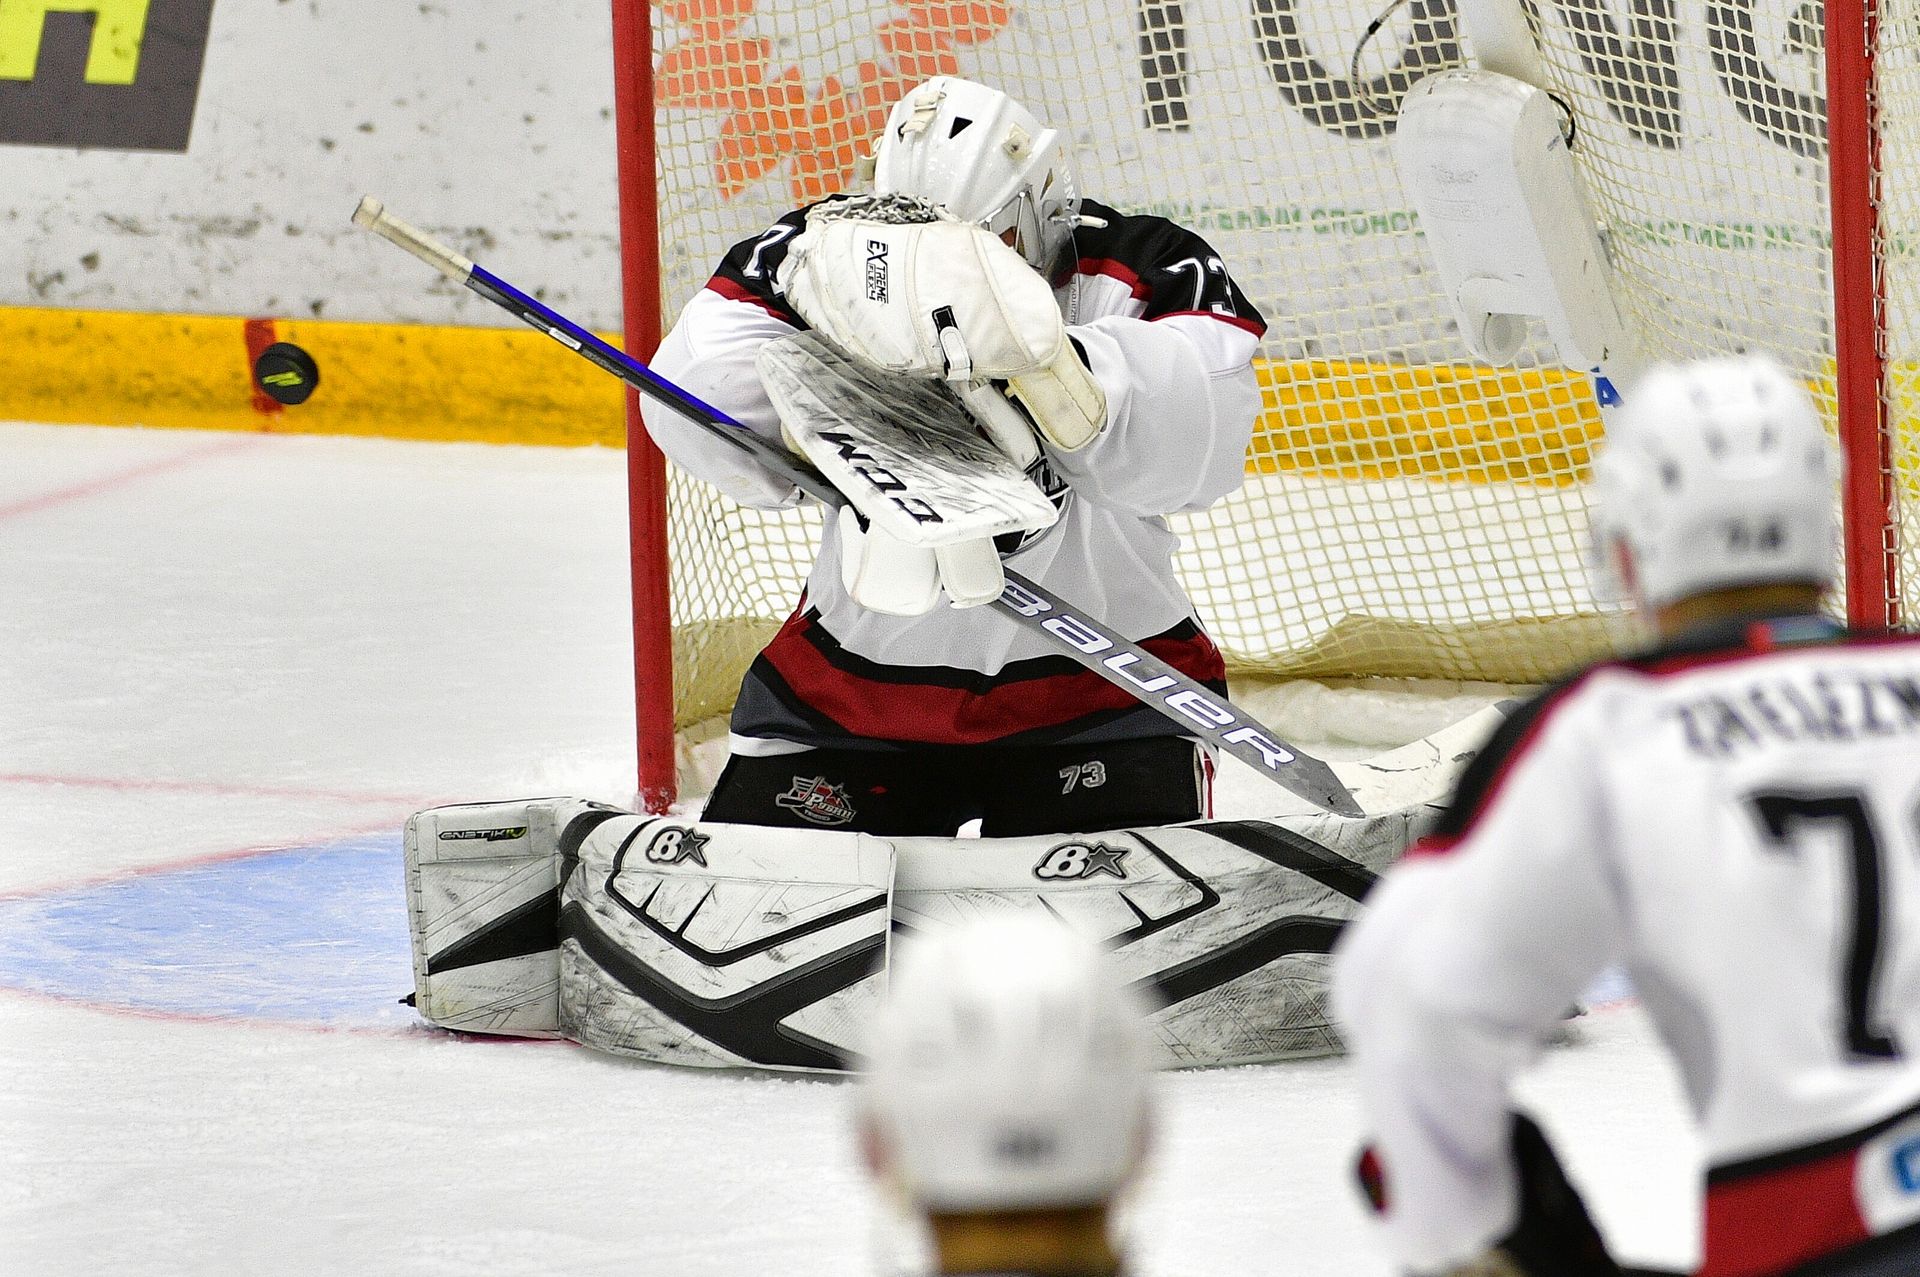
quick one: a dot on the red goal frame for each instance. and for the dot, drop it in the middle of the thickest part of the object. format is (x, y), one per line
(656, 780)
(1859, 305)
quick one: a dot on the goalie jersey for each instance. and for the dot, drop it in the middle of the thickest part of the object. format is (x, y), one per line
(1169, 337)
(1736, 819)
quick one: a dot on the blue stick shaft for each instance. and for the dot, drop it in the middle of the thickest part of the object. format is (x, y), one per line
(644, 379)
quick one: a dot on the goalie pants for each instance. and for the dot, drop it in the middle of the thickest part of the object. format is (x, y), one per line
(932, 792)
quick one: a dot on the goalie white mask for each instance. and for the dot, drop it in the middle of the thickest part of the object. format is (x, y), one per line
(1715, 474)
(986, 159)
(1008, 1069)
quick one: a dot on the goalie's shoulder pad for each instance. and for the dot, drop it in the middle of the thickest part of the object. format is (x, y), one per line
(749, 272)
(1169, 269)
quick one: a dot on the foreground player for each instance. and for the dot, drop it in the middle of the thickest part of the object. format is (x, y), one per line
(1732, 816)
(1006, 1099)
(877, 707)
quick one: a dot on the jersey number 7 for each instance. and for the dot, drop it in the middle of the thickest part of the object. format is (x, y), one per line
(1784, 815)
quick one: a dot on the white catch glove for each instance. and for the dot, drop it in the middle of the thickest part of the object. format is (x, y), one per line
(884, 289)
(884, 574)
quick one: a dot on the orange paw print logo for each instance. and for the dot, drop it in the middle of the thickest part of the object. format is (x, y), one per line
(773, 119)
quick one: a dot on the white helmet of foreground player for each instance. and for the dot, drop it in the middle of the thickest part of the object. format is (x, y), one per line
(1008, 1070)
(1716, 474)
(987, 159)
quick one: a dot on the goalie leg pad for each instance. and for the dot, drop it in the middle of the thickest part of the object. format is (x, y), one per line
(722, 945)
(483, 906)
(1226, 924)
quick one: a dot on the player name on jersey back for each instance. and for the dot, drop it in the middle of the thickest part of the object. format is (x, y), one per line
(1795, 706)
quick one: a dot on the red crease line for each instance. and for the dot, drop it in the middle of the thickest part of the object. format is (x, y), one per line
(203, 1017)
(132, 872)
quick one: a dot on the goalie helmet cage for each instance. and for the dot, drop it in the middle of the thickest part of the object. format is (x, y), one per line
(1407, 512)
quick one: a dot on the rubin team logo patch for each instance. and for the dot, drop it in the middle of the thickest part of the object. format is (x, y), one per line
(812, 798)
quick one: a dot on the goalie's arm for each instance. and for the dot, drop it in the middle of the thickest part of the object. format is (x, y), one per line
(1181, 405)
(710, 352)
(1177, 374)
(1466, 956)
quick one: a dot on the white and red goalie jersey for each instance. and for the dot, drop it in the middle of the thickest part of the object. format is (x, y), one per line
(1736, 820)
(1169, 338)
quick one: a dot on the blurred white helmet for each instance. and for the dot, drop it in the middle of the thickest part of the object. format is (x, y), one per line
(1008, 1069)
(987, 159)
(1715, 474)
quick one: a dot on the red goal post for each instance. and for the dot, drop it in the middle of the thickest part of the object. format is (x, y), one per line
(1407, 512)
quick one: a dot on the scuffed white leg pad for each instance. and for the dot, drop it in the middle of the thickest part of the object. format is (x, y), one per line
(724, 945)
(483, 905)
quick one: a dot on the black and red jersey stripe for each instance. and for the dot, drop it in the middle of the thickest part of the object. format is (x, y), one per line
(806, 687)
(1169, 269)
(734, 290)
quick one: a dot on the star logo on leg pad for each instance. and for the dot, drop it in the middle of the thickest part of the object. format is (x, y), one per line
(675, 843)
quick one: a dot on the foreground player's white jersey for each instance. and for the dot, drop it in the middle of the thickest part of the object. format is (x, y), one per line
(1737, 821)
(1170, 339)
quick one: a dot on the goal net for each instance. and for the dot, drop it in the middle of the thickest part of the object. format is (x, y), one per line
(1406, 511)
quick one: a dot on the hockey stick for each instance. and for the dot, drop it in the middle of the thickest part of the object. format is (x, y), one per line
(1120, 661)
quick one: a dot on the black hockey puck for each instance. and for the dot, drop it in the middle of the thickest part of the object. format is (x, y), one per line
(286, 372)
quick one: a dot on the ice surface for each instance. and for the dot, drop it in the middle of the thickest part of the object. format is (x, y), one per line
(231, 665)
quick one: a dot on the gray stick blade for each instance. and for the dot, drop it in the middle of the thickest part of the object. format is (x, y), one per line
(1316, 782)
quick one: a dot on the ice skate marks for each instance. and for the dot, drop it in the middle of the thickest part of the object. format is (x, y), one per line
(310, 935)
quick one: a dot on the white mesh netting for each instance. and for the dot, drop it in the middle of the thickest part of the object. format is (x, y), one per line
(1405, 512)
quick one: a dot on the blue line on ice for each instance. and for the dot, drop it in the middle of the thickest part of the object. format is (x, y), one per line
(307, 934)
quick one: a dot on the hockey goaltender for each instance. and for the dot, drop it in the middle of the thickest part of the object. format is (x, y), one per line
(892, 701)
(1108, 360)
